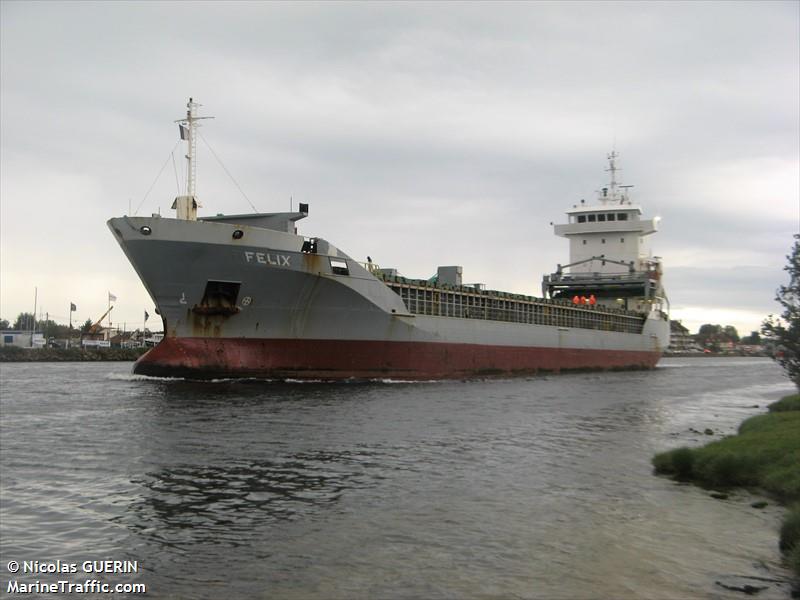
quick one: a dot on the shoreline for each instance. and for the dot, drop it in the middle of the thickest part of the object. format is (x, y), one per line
(14, 354)
(761, 456)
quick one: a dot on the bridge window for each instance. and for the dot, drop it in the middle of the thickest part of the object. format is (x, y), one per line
(601, 217)
(592, 218)
(309, 246)
(622, 216)
(581, 218)
(611, 216)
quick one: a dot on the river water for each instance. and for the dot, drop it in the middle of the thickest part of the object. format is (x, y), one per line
(518, 488)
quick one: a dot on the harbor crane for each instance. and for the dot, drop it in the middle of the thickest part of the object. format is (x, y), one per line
(95, 326)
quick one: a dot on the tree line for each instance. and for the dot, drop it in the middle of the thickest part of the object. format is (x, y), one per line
(714, 337)
(25, 322)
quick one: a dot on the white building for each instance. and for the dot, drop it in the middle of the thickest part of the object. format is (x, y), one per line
(21, 339)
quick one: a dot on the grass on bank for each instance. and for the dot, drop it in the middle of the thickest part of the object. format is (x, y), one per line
(785, 404)
(764, 454)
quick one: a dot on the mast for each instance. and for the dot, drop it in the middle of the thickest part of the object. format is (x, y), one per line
(191, 143)
(35, 299)
(612, 168)
(614, 193)
(186, 206)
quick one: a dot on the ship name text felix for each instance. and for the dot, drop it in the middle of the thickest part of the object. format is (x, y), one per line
(265, 258)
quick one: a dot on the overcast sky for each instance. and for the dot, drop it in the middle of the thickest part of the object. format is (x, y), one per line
(422, 134)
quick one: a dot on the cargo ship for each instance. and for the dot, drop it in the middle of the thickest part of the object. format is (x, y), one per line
(246, 295)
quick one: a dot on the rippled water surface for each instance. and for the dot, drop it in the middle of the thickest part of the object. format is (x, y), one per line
(521, 488)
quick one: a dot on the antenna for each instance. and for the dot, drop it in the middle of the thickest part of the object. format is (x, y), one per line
(612, 167)
(625, 189)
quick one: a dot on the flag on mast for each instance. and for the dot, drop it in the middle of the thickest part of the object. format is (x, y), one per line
(111, 297)
(72, 307)
(146, 316)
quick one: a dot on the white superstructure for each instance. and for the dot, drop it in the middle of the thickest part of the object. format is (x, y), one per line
(612, 227)
(609, 252)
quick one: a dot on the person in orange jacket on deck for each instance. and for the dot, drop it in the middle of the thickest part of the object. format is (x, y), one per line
(592, 300)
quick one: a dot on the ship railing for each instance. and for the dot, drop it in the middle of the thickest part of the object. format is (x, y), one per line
(371, 267)
(584, 277)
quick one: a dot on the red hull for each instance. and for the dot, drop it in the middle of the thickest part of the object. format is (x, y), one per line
(207, 358)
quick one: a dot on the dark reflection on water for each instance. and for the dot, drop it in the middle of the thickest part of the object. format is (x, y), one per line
(526, 488)
(218, 503)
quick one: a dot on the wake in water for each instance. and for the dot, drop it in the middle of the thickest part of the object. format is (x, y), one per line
(386, 381)
(135, 377)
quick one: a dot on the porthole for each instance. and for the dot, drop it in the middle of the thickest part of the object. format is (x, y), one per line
(238, 234)
(145, 230)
